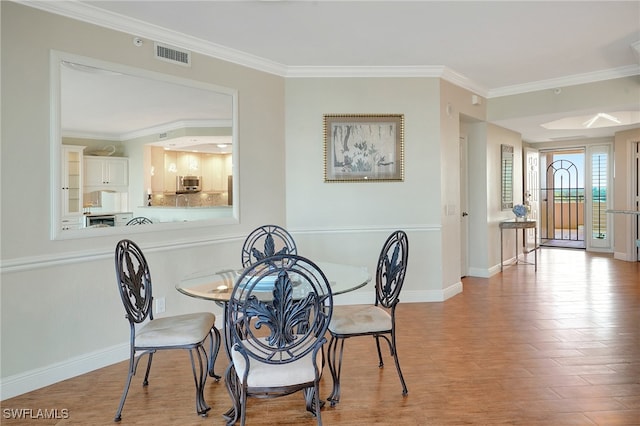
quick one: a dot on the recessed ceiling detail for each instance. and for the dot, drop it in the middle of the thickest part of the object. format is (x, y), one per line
(594, 121)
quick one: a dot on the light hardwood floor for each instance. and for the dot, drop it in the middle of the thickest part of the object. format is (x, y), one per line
(556, 347)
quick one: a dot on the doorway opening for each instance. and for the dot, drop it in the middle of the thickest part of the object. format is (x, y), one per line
(562, 209)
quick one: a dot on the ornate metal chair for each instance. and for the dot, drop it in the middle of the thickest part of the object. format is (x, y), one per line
(140, 220)
(266, 241)
(276, 319)
(377, 320)
(187, 331)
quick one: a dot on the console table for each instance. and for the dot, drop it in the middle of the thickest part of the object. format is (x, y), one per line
(520, 224)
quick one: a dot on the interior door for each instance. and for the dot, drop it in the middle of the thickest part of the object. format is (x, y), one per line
(464, 206)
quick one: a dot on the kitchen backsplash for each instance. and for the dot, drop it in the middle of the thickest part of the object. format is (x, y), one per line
(198, 199)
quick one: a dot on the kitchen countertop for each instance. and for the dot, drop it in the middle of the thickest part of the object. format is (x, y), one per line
(106, 213)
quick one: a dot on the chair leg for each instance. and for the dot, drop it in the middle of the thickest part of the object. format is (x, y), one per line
(405, 391)
(214, 348)
(132, 370)
(243, 405)
(233, 385)
(394, 353)
(200, 378)
(335, 367)
(313, 402)
(381, 362)
(145, 382)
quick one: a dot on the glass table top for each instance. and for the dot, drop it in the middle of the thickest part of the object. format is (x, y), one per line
(216, 284)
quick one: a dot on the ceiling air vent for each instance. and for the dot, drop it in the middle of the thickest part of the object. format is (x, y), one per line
(172, 54)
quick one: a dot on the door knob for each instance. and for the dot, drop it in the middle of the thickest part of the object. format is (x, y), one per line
(465, 214)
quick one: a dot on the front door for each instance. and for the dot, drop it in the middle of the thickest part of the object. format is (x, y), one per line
(562, 215)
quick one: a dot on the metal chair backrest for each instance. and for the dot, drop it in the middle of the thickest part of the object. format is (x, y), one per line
(391, 269)
(140, 220)
(267, 241)
(134, 281)
(279, 310)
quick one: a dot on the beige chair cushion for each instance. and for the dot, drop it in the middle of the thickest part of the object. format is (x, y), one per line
(356, 319)
(276, 375)
(175, 331)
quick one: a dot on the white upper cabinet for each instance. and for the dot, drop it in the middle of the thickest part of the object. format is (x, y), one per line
(106, 172)
(215, 171)
(71, 185)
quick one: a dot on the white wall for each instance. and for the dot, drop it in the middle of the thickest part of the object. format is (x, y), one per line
(60, 308)
(497, 136)
(350, 221)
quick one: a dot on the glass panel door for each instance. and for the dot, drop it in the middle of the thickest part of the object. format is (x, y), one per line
(598, 196)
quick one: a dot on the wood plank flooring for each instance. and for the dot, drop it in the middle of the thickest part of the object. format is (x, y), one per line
(556, 347)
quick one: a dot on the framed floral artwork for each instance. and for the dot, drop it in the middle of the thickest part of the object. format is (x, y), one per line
(363, 147)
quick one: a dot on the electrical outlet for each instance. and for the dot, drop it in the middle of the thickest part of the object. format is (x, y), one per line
(160, 305)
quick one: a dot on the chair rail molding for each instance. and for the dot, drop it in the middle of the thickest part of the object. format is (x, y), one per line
(64, 258)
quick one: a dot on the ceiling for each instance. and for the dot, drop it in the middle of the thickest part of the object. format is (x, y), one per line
(493, 48)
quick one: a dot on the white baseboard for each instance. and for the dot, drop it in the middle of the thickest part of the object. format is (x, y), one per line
(44, 376)
(431, 295)
(452, 290)
(484, 273)
(478, 272)
(622, 256)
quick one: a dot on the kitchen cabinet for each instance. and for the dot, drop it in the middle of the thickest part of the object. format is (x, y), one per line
(215, 168)
(71, 223)
(170, 171)
(209, 178)
(71, 186)
(167, 165)
(106, 172)
(123, 218)
(189, 164)
(156, 169)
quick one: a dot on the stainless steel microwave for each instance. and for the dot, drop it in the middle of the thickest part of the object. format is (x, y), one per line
(188, 184)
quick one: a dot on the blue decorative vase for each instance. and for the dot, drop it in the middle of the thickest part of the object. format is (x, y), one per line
(520, 211)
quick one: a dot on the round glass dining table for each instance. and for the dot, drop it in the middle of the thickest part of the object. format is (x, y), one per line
(216, 284)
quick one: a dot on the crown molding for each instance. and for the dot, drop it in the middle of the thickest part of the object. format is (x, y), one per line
(461, 81)
(176, 125)
(365, 71)
(434, 71)
(87, 13)
(423, 71)
(571, 80)
(168, 127)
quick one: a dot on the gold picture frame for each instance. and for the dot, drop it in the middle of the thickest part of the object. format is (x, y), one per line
(364, 147)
